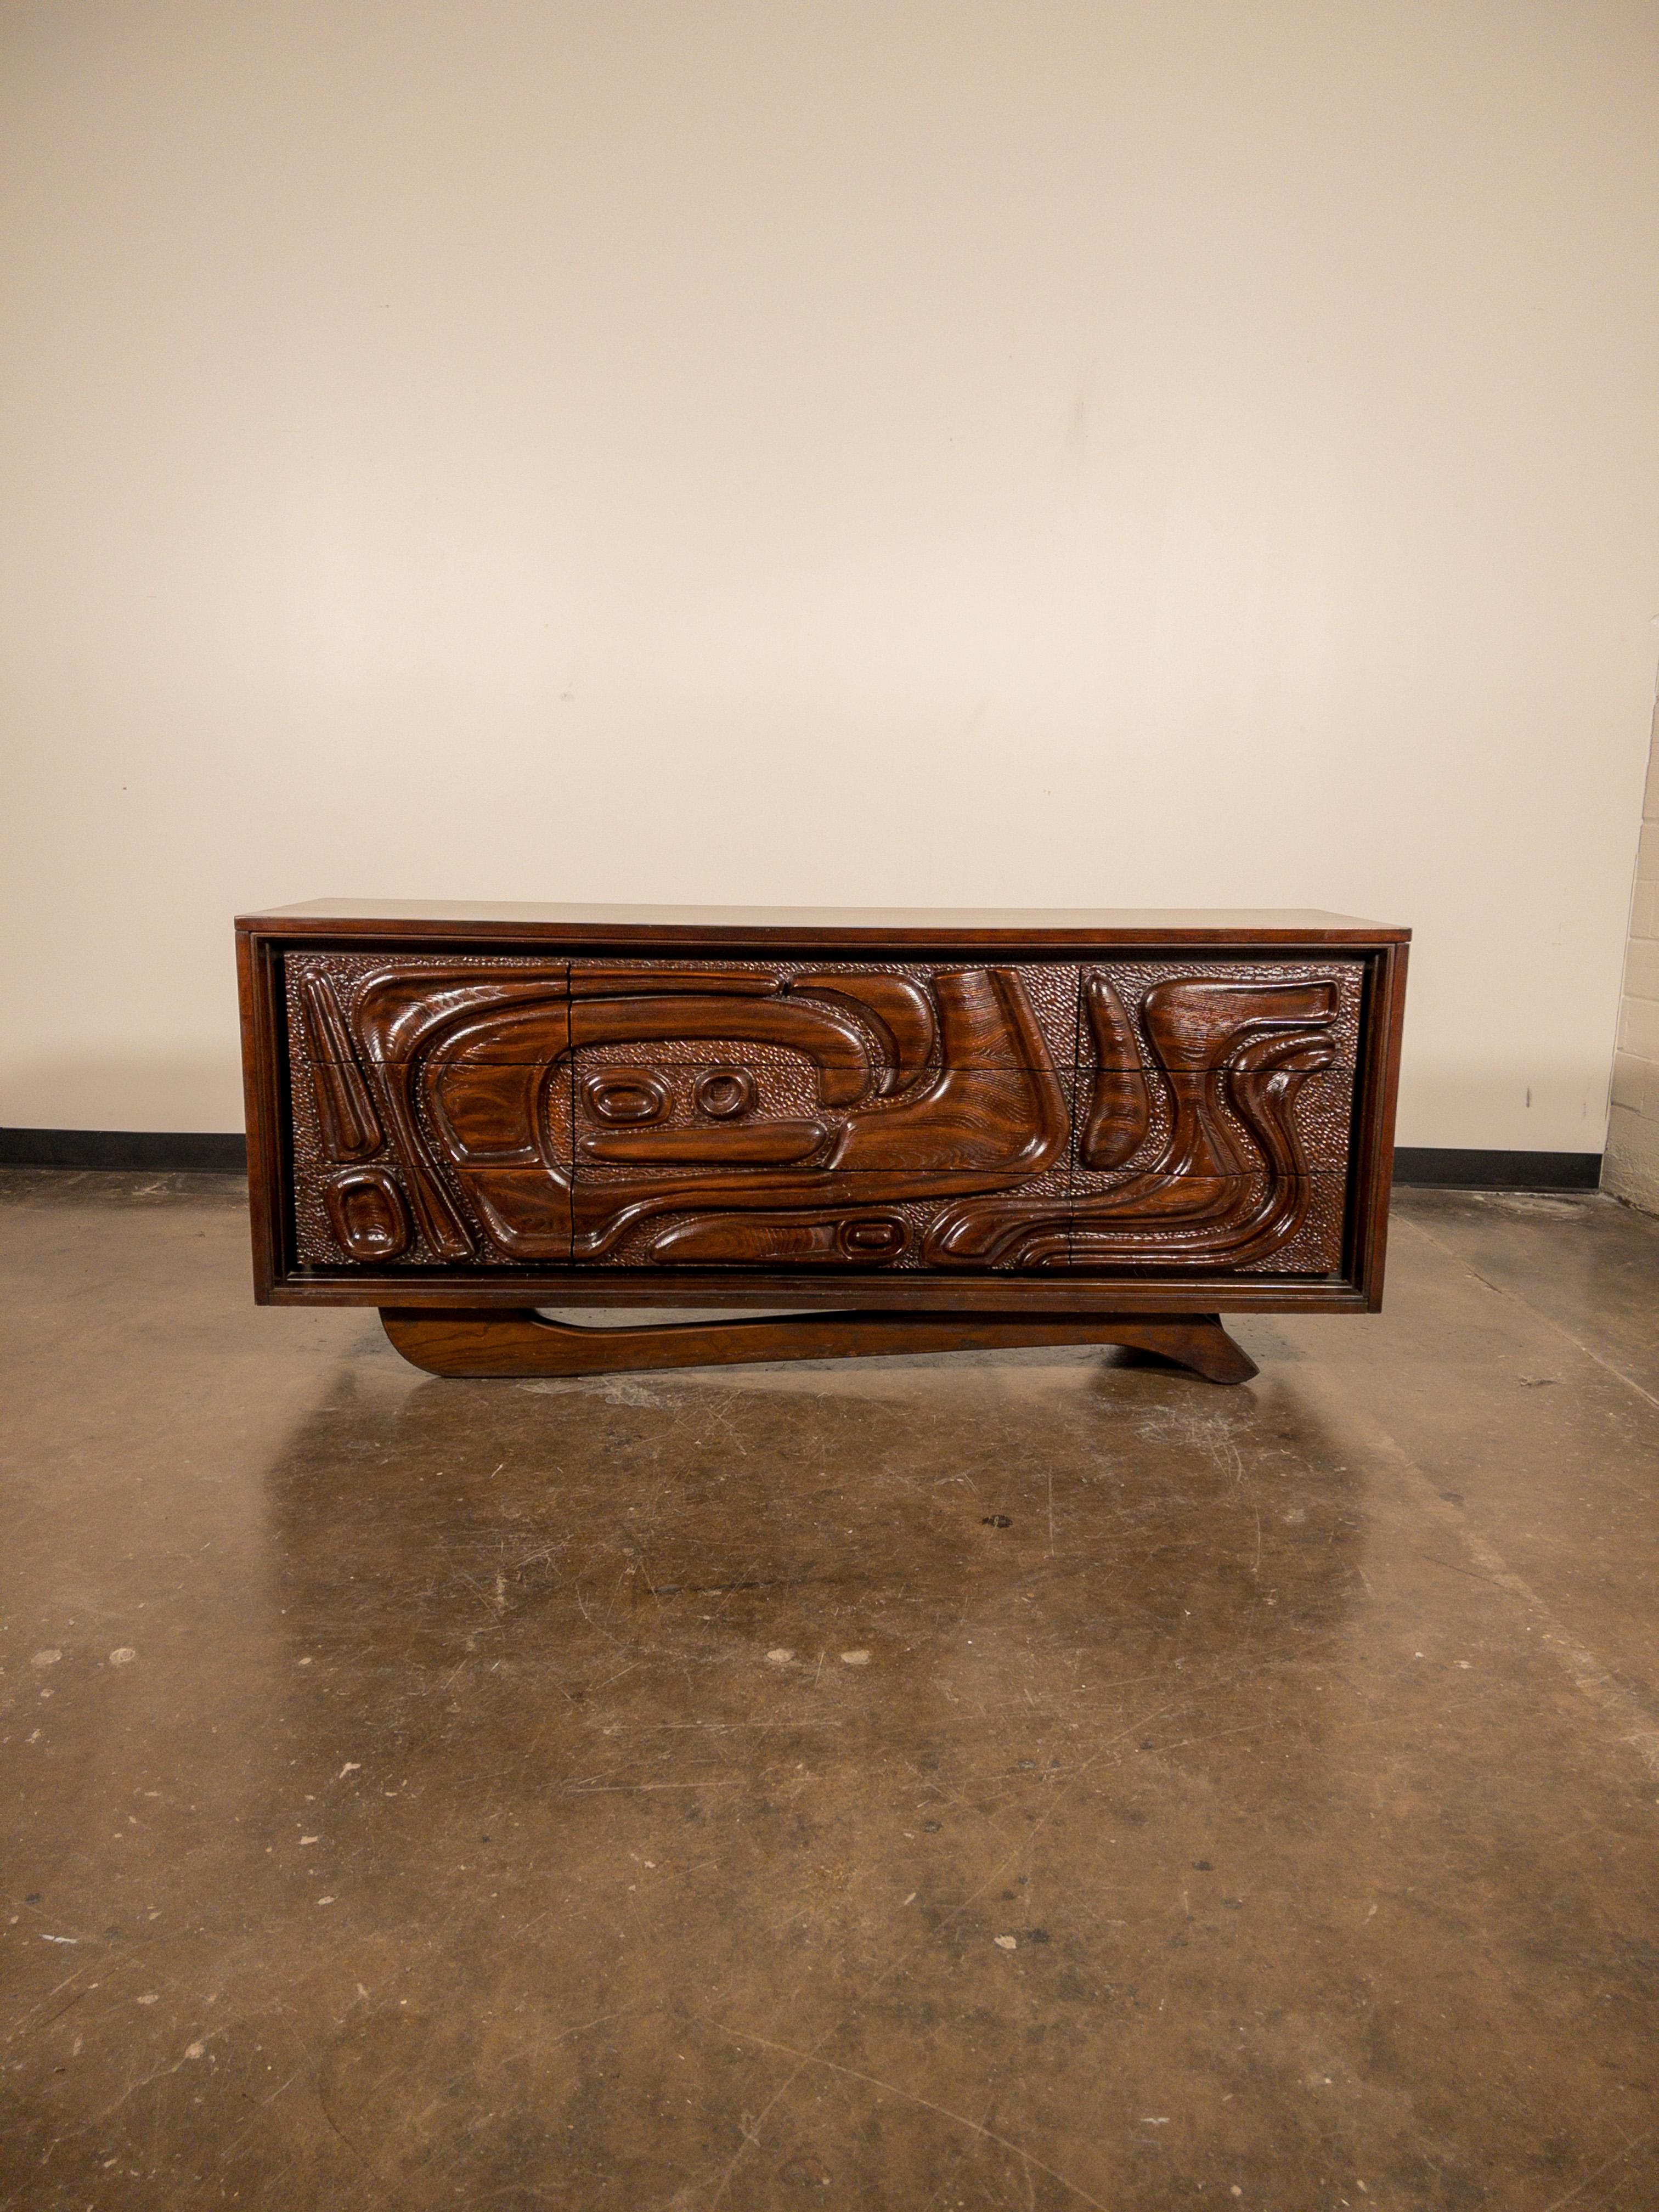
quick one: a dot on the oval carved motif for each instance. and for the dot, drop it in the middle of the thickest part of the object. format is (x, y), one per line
(872, 1236)
(627, 1096)
(724, 1092)
(368, 1214)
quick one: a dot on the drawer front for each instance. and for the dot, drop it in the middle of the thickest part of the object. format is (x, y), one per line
(1123, 1116)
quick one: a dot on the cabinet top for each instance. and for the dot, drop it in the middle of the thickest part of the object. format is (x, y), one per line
(416, 919)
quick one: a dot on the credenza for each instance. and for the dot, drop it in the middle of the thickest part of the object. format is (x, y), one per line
(888, 1131)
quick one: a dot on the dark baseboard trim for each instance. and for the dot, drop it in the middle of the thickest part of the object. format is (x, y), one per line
(1453, 1167)
(163, 1152)
(150, 1151)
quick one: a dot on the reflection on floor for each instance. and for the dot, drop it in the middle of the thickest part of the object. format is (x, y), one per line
(997, 1781)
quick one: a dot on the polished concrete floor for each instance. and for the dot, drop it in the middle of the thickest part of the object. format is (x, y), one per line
(1013, 1781)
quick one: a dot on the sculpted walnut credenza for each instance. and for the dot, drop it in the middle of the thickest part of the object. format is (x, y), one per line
(919, 1130)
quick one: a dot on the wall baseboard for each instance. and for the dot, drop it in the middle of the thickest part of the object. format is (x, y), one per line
(150, 1151)
(161, 1151)
(1457, 1167)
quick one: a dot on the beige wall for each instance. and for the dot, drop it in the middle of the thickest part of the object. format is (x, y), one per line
(1099, 452)
(1633, 1161)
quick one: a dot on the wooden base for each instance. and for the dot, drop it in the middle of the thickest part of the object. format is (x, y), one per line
(479, 1342)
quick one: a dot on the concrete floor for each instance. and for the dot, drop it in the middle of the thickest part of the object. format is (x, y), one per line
(1015, 1781)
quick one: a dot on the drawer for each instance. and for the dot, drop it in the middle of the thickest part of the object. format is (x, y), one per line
(492, 1112)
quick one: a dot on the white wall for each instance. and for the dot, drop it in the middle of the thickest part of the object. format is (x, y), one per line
(1631, 1167)
(1177, 451)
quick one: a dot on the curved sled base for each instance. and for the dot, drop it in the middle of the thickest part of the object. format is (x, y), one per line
(480, 1341)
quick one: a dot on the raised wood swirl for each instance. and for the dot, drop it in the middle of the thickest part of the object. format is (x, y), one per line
(1120, 1116)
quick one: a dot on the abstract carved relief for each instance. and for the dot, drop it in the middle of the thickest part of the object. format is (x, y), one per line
(367, 1212)
(1116, 1115)
(1229, 1184)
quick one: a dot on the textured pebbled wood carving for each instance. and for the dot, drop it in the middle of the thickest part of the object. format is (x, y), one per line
(1215, 1065)
(1120, 1116)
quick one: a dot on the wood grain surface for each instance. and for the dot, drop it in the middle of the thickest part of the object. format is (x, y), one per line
(1200, 1121)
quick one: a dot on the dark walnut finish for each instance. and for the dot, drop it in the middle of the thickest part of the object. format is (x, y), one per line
(473, 1344)
(976, 1129)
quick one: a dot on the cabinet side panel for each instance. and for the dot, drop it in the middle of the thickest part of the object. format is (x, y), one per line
(1372, 1180)
(263, 1091)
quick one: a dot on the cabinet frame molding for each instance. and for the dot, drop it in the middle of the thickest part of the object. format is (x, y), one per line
(264, 940)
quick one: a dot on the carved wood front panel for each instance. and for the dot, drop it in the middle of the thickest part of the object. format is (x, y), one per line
(1117, 1115)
